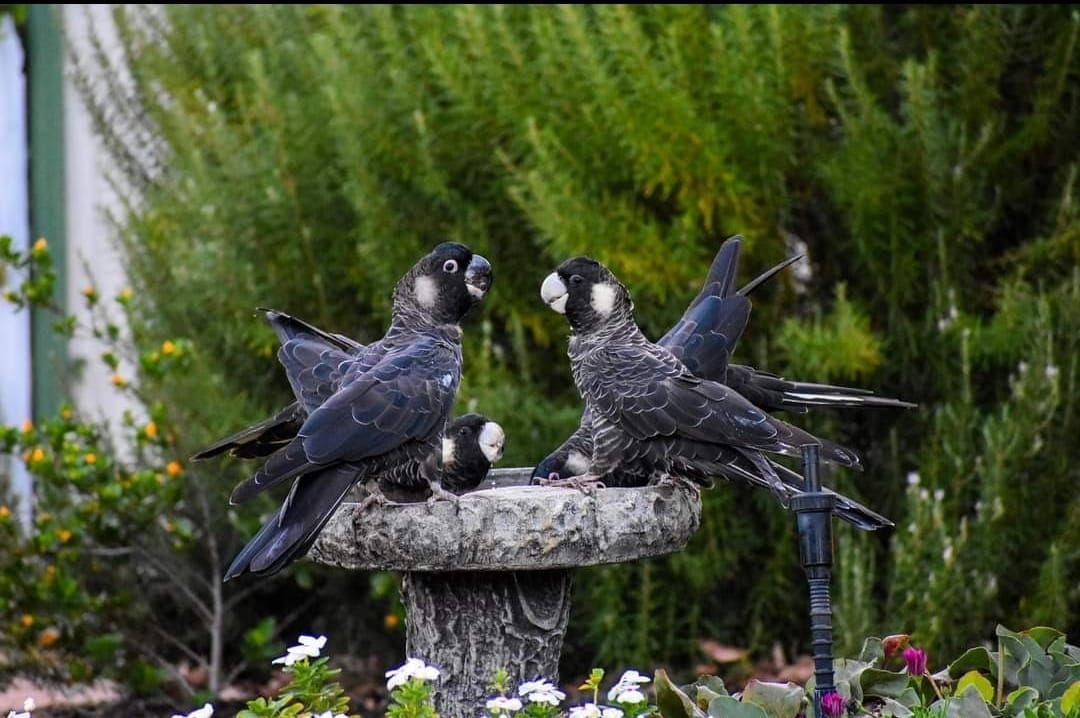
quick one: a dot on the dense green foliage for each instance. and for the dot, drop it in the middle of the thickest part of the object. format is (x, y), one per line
(302, 156)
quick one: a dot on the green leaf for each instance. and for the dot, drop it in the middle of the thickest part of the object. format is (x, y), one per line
(1019, 700)
(712, 683)
(884, 684)
(979, 681)
(974, 659)
(778, 700)
(846, 674)
(873, 651)
(1044, 636)
(671, 701)
(1070, 700)
(895, 709)
(728, 707)
(969, 704)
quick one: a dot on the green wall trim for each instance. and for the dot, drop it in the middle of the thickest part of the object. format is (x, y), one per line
(45, 75)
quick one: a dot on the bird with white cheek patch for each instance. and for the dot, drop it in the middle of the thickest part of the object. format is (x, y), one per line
(471, 445)
(645, 407)
(704, 340)
(373, 414)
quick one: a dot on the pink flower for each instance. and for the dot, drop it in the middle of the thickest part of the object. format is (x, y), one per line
(832, 705)
(916, 660)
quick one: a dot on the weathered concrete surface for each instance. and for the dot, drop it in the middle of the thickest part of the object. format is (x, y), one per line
(514, 528)
(476, 622)
(487, 582)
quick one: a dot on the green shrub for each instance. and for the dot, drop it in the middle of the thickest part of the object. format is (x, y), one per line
(302, 156)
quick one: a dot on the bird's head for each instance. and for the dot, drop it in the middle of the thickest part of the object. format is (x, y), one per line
(474, 441)
(444, 284)
(588, 294)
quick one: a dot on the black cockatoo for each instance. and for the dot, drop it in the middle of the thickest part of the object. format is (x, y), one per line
(471, 445)
(704, 339)
(364, 412)
(648, 414)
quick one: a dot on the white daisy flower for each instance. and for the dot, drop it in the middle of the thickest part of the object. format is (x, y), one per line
(413, 668)
(309, 647)
(541, 691)
(626, 694)
(504, 704)
(205, 712)
(589, 710)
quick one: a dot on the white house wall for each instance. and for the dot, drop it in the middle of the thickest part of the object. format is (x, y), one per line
(15, 385)
(92, 258)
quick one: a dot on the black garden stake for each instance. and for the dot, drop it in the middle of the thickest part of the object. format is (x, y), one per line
(813, 512)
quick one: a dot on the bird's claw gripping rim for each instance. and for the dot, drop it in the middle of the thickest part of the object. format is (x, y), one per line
(585, 483)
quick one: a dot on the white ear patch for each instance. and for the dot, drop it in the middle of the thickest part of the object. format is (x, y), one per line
(448, 451)
(425, 290)
(603, 298)
(492, 439)
(577, 463)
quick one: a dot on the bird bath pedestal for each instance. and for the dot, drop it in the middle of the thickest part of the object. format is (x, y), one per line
(487, 583)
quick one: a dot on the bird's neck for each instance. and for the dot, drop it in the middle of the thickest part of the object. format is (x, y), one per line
(621, 330)
(407, 321)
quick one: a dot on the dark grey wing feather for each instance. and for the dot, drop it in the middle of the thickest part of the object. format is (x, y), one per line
(290, 532)
(289, 327)
(405, 397)
(315, 371)
(649, 395)
(772, 392)
(705, 337)
(261, 439)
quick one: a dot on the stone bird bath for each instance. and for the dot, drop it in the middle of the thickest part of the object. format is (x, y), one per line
(487, 583)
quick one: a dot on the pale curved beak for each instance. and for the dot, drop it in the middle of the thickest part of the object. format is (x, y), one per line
(492, 441)
(554, 293)
(478, 277)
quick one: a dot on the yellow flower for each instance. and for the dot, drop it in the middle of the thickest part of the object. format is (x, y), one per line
(37, 455)
(167, 347)
(90, 291)
(5, 512)
(391, 620)
(126, 294)
(48, 637)
(27, 620)
(151, 430)
(90, 458)
(41, 246)
(174, 469)
(118, 380)
(64, 535)
(27, 426)
(66, 414)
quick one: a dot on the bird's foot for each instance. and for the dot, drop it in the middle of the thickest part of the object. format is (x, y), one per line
(438, 493)
(677, 481)
(585, 483)
(375, 497)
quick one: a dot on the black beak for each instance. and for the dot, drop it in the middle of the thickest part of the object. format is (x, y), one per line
(478, 276)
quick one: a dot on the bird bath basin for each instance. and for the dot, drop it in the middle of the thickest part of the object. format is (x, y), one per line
(487, 583)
